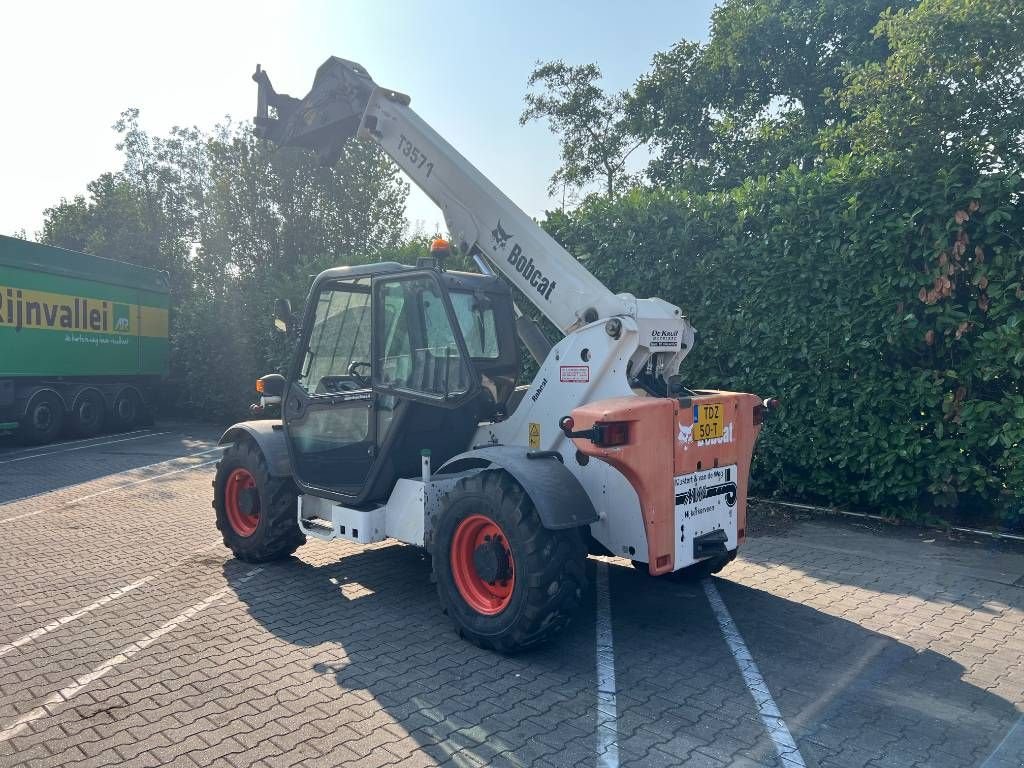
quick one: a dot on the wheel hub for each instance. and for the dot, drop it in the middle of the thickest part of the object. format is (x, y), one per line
(492, 561)
(247, 500)
(242, 502)
(482, 565)
(42, 417)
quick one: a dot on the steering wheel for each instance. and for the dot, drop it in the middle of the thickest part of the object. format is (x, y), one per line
(361, 380)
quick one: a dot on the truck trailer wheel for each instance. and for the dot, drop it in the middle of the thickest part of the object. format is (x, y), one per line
(256, 513)
(127, 409)
(87, 414)
(507, 582)
(43, 419)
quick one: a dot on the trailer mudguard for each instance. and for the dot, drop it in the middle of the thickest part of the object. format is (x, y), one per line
(557, 495)
(268, 434)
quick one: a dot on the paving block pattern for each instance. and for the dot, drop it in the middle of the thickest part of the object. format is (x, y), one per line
(342, 656)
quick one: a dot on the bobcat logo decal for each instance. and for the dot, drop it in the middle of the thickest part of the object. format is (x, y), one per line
(685, 436)
(500, 236)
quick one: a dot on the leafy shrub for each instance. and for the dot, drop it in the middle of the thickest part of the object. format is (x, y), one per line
(886, 314)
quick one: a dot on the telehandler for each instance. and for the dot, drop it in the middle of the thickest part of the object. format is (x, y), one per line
(401, 416)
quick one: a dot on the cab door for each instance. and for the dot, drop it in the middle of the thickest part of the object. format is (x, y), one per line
(373, 352)
(329, 406)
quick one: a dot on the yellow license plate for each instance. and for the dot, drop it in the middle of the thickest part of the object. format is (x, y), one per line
(708, 421)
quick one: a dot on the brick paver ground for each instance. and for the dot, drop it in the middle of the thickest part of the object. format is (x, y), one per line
(879, 650)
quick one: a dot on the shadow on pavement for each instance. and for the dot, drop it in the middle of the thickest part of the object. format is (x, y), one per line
(851, 696)
(28, 472)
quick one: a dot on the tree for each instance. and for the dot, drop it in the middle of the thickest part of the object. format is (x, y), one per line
(236, 224)
(753, 99)
(951, 92)
(590, 124)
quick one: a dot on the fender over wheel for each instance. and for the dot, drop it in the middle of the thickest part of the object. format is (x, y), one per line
(507, 582)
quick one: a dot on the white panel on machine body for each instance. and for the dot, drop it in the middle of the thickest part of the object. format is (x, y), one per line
(406, 515)
(405, 512)
(327, 520)
(620, 526)
(583, 367)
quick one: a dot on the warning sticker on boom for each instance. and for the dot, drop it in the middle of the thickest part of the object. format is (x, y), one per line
(574, 374)
(534, 435)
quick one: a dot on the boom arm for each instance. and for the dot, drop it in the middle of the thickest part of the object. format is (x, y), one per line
(345, 102)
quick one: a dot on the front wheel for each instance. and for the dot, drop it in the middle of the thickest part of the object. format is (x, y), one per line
(507, 582)
(256, 512)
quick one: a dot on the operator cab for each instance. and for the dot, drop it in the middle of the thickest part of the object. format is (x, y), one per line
(391, 360)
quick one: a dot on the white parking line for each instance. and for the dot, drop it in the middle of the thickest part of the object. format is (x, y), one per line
(1008, 753)
(61, 622)
(607, 708)
(82, 447)
(62, 443)
(58, 623)
(57, 698)
(71, 503)
(778, 731)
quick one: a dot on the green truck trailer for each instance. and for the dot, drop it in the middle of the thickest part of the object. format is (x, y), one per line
(83, 341)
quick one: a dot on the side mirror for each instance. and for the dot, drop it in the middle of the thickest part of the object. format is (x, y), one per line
(283, 316)
(271, 385)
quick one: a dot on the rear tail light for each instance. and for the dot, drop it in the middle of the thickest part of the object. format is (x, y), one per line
(259, 386)
(606, 434)
(611, 434)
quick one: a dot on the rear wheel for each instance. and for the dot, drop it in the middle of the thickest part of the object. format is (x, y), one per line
(256, 513)
(43, 419)
(88, 414)
(507, 582)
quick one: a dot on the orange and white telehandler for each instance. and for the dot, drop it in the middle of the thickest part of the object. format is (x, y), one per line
(401, 416)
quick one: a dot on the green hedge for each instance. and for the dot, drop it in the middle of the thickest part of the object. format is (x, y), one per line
(885, 314)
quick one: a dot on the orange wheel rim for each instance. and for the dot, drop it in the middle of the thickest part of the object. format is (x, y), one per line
(482, 565)
(243, 514)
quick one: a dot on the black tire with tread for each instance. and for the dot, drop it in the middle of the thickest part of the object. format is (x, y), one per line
(88, 415)
(278, 535)
(125, 417)
(549, 565)
(30, 431)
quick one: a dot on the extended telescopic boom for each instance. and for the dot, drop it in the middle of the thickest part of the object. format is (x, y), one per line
(344, 102)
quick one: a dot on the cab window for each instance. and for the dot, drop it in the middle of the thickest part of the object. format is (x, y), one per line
(475, 316)
(339, 341)
(419, 351)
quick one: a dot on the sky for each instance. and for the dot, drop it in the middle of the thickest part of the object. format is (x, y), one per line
(68, 69)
